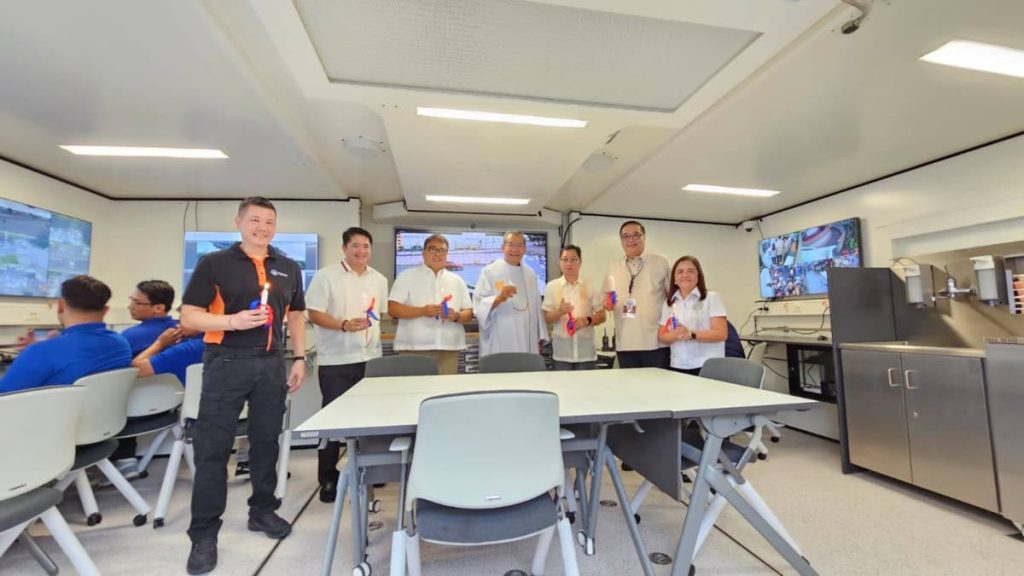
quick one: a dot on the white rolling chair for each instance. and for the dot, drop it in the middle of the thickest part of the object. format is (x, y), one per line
(756, 352)
(484, 467)
(104, 414)
(182, 446)
(512, 362)
(736, 457)
(151, 409)
(38, 428)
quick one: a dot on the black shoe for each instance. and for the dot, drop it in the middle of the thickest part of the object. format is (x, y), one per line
(203, 557)
(242, 469)
(328, 492)
(270, 524)
(626, 467)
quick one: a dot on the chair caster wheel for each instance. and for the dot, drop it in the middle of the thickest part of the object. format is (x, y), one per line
(362, 570)
(144, 474)
(139, 519)
(762, 456)
(571, 517)
(637, 518)
(94, 519)
(374, 506)
(158, 523)
(775, 439)
(693, 570)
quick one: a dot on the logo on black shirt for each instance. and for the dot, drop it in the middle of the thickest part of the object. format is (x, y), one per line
(275, 272)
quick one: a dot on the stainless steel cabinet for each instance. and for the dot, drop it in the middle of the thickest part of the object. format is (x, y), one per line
(1006, 400)
(921, 418)
(876, 420)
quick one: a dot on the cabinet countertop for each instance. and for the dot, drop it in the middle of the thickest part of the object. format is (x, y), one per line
(904, 348)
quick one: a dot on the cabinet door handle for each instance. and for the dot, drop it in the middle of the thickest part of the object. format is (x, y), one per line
(892, 383)
(906, 379)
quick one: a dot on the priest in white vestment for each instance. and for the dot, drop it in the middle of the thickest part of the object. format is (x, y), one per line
(506, 302)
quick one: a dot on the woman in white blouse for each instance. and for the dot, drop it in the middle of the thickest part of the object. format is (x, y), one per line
(693, 321)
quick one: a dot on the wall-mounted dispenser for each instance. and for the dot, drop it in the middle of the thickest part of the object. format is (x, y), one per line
(919, 280)
(990, 284)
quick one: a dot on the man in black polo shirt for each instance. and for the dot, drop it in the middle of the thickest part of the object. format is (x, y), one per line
(238, 296)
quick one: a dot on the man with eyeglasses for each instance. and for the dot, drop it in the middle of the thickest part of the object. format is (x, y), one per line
(506, 302)
(573, 309)
(346, 301)
(150, 304)
(638, 281)
(432, 305)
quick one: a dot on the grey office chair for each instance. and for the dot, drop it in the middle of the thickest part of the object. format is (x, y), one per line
(512, 362)
(401, 365)
(483, 469)
(38, 429)
(742, 372)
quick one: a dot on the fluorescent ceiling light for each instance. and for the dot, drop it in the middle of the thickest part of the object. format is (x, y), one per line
(478, 200)
(978, 56)
(730, 190)
(495, 117)
(137, 151)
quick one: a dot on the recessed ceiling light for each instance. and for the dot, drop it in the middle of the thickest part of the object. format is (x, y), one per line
(478, 200)
(730, 190)
(979, 56)
(144, 152)
(496, 117)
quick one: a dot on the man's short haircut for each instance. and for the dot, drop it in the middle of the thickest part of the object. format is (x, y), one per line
(347, 235)
(158, 292)
(628, 222)
(85, 293)
(255, 201)
(574, 248)
(435, 238)
(506, 235)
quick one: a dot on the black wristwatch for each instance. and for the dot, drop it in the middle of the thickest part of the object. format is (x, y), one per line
(693, 335)
(590, 320)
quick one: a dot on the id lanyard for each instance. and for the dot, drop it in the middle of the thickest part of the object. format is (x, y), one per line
(633, 275)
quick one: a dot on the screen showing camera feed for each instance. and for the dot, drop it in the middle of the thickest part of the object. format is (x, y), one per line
(796, 264)
(40, 249)
(469, 251)
(303, 248)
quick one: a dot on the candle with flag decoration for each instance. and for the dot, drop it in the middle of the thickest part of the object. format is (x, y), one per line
(371, 314)
(570, 324)
(265, 296)
(444, 307)
(610, 297)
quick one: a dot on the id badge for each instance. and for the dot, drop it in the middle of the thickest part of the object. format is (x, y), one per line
(629, 308)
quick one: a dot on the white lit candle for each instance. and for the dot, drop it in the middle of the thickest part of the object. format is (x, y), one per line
(265, 295)
(611, 283)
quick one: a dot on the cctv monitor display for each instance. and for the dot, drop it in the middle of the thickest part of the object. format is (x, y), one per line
(469, 251)
(796, 264)
(40, 249)
(303, 248)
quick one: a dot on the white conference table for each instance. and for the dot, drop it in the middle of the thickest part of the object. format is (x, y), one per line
(382, 407)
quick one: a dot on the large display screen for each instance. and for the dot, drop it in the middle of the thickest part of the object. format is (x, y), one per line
(469, 251)
(40, 249)
(796, 264)
(303, 248)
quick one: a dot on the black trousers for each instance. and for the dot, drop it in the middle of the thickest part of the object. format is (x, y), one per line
(230, 378)
(657, 358)
(334, 381)
(690, 371)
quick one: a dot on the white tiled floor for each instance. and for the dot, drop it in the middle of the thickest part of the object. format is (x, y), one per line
(854, 524)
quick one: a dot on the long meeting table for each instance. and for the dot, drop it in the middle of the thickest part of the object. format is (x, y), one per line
(381, 408)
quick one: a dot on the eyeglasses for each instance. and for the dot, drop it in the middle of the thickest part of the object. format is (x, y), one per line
(436, 250)
(569, 260)
(134, 302)
(633, 236)
(515, 245)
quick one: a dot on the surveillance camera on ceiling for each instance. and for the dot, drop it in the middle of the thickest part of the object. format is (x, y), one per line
(851, 26)
(749, 225)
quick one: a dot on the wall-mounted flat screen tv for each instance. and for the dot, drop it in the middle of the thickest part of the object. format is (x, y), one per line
(303, 248)
(796, 264)
(40, 249)
(469, 251)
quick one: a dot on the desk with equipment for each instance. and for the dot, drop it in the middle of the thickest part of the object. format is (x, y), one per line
(380, 407)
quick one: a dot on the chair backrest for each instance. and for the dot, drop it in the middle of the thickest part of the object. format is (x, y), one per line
(105, 407)
(401, 365)
(735, 371)
(193, 391)
(512, 362)
(38, 431)
(757, 352)
(486, 449)
(155, 395)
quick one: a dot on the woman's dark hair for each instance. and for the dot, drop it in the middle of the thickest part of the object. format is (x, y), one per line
(701, 287)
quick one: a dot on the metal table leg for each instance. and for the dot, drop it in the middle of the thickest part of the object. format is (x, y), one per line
(627, 512)
(585, 537)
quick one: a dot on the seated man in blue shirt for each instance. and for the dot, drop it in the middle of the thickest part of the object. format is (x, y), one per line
(85, 346)
(151, 304)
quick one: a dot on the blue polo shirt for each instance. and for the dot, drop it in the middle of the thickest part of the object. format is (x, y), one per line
(143, 334)
(175, 359)
(81, 350)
